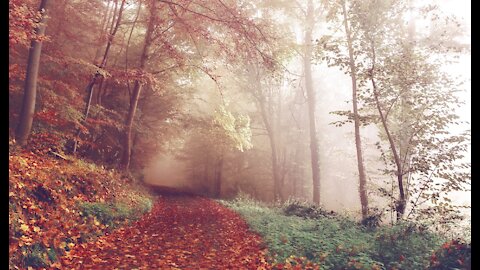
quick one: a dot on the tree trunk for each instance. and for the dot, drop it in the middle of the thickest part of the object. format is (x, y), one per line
(125, 163)
(273, 147)
(30, 90)
(401, 201)
(105, 20)
(218, 178)
(128, 126)
(358, 142)
(405, 126)
(311, 100)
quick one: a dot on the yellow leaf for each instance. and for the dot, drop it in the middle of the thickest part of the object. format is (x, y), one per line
(62, 245)
(24, 228)
(36, 229)
(71, 245)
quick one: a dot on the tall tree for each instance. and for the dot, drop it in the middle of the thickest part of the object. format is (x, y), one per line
(418, 99)
(127, 144)
(30, 90)
(265, 98)
(311, 99)
(358, 139)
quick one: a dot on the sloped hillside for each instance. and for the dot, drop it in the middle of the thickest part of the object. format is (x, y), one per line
(57, 202)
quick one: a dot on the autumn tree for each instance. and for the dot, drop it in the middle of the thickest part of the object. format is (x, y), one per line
(100, 71)
(196, 24)
(30, 90)
(125, 163)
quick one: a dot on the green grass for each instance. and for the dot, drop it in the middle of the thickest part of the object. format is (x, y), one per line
(35, 256)
(334, 241)
(113, 213)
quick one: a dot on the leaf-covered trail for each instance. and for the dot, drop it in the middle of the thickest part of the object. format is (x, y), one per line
(181, 232)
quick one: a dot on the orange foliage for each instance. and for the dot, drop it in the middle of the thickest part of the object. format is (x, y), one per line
(44, 194)
(179, 233)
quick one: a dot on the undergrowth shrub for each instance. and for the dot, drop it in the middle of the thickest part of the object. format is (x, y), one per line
(455, 254)
(405, 245)
(331, 242)
(300, 230)
(372, 220)
(294, 207)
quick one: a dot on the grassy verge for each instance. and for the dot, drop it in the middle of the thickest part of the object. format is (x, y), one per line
(296, 233)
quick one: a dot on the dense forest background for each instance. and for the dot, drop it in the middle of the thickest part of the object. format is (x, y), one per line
(359, 106)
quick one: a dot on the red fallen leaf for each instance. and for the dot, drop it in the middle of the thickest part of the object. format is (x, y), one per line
(205, 235)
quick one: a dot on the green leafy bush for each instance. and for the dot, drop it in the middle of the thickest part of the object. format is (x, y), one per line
(299, 230)
(405, 245)
(330, 242)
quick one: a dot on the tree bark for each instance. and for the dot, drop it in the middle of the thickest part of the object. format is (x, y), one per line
(311, 100)
(30, 90)
(358, 142)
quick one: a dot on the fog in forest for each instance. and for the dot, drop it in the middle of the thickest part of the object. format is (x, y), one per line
(193, 163)
(354, 113)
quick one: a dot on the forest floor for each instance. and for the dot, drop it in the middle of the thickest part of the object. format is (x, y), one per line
(181, 232)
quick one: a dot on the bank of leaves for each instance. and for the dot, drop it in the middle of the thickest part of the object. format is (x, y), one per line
(56, 204)
(297, 234)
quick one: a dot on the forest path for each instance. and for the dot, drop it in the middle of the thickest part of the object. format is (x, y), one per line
(181, 232)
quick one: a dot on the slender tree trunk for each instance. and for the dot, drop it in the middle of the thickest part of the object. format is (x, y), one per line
(311, 100)
(90, 87)
(30, 90)
(218, 177)
(401, 202)
(278, 142)
(277, 189)
(358, 142)
(104, 23)
(205, 173)
(125, 163)
(128, 126)
(129, 38)
(404, 107)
